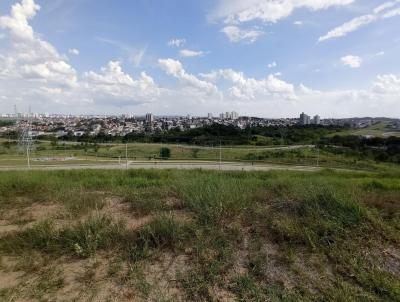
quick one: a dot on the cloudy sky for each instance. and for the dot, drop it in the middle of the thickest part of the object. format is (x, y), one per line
(268, 58)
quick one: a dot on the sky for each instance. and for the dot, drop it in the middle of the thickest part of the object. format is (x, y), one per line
(265, 58)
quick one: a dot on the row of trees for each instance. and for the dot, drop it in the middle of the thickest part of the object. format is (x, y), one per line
(226, 135)
(377, 148)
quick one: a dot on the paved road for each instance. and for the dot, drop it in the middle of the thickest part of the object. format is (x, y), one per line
(171, 165)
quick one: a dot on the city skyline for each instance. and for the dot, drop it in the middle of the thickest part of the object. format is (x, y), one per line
(334, 58)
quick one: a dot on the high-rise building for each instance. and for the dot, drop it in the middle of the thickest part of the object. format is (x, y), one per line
(234, 115)
(210, 116)
(304, 119)
(228, 115)
(316, 120)
(222, 116)
(149, 118)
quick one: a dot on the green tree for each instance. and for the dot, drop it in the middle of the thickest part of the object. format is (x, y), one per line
(165, 153)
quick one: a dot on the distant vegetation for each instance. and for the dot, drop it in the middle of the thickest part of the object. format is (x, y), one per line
(199, 236)
(336, 146)
(226, 135)
(378, 149)
(4, 123)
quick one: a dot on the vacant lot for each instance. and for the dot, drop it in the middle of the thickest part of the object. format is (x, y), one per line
(173, 235)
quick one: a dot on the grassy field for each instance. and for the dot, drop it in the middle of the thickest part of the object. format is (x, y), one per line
(47, 154)
(379, 130)
(199, 236)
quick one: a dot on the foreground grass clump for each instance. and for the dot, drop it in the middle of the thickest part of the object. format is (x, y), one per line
(315, 215)
(200, 236)
(83, 239)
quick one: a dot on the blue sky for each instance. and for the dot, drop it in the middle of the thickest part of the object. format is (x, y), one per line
(337, 58)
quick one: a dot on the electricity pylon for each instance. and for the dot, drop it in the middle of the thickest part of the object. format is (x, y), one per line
(25, 142)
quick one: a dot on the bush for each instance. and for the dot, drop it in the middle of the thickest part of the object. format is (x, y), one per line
(165, 153)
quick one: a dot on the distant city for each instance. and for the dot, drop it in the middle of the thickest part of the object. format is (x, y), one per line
(60, 125)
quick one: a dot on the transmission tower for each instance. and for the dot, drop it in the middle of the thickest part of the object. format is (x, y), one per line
(25, 142)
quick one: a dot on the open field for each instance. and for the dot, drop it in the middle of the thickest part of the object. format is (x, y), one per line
(76, 154)
(377, 130)
(173, 235)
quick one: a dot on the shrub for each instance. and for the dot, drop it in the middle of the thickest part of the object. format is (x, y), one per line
(165, 153)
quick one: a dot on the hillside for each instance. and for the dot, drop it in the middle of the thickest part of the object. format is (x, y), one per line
(199, 236)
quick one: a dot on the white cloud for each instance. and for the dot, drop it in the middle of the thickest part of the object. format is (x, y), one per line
(239, 11)
(17, 22)
(177, 42)
(358, 22)
(191, 53)
(348, 27)
(113, 82)
(175, 68)
(249, 88)
(298, 23)
(235, 34)
(351, 61)
(32, 69)
(385, 6)
(272, 65)
(391, 13)
(388, 84)
(73, 51)
(28, 56)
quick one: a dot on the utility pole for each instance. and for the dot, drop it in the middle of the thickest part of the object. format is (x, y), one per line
(28, 157)
(126, 155)
(220, 155)
(29, 143)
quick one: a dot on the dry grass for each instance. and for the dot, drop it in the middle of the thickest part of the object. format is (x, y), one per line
(200, 236)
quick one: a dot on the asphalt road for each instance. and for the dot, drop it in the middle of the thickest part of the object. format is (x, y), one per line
(167, 165)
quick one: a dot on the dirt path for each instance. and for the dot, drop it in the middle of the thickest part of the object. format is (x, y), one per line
(170, 165)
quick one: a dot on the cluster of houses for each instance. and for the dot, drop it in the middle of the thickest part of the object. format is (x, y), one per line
(62, 125)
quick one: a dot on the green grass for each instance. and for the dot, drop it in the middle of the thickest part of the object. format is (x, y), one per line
(257, 236)
(379, 130)
(114, 153)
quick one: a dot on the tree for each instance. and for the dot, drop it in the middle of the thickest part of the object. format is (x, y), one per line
(165, 153)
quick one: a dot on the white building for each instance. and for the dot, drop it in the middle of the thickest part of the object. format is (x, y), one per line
(316, 120)
(149, 118)
(304, 119)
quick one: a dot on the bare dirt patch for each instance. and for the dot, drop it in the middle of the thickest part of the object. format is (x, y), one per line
(6, 227)
(119, 211)
(22, 218)
(162, 272)
(222, 295)
(9, 279)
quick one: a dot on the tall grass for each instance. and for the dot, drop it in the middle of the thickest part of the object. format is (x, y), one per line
(342, 219)
(83, 239)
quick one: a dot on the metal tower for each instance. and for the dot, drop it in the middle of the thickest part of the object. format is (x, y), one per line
(25, 142)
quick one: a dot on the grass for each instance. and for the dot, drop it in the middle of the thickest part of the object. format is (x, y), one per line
(115, 153)
(380, 129)
(204, 235)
